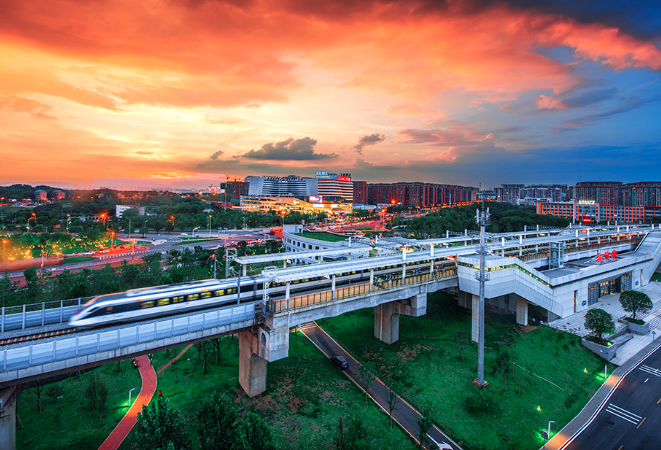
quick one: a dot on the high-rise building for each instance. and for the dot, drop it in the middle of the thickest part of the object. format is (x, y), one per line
(289, 186)
(420, 194)
(335, 186)
(360, 192)
(602, 192)
(40, 196)
(57, 195)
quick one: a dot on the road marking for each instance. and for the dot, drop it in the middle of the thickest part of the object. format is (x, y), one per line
(646, 379)
(623, 413)
(441, 445)
(651, 370)
(641, 422)
(621, 447)
(658, 401)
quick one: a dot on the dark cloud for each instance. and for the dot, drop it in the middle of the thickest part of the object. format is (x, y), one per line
(590, 119)
(289, 150)
(216, 155)
(368, 139)
(589, 98)
(511, 129)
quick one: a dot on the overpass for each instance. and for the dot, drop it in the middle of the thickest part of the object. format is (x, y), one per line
(263, 326)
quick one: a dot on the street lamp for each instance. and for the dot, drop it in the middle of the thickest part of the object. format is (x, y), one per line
(548, 433)
(209, 225)
(172, 219)
(132, 389)
(144, 228)
(196, 228)
(34, 216)
(68, 221)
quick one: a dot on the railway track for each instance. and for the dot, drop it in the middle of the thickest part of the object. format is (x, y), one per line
(35, 336)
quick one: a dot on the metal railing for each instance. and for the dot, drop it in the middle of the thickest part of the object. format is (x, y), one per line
(385, 284)
(39, 314)
(58, 350)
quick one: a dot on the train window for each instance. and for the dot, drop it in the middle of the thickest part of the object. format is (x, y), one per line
(163, 301)
(178, 299)
(305, 280)
(192, 297)
(205, 294)
(108, 309)
(148, 304)
(219, 293)
(231, 291)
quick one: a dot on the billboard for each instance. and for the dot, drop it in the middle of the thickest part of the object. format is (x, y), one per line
(316, 199)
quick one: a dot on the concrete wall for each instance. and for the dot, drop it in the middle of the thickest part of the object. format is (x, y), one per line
(607, 353)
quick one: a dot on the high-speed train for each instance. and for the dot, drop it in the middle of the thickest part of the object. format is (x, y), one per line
(146, 303)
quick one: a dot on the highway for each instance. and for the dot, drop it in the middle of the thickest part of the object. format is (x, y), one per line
(630, 419)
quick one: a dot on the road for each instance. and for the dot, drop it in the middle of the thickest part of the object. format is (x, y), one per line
(631, 418)
(404, 414)
(117, 255)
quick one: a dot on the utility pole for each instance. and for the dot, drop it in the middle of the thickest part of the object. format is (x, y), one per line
(483, 220)
(129, 228)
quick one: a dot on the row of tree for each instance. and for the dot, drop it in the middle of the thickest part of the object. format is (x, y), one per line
(178, 266)
(219, 426)
(505, 217)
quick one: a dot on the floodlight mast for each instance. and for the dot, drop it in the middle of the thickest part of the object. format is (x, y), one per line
(483, 220)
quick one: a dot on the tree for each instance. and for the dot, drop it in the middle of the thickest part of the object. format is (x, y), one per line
(218, 422)
(202, 352)
(255, 434)
(366, 377)
(159, 426)
(461, 339)
(54, 391)
(355, 436)
(37, 386)
(392, 398)
(636, 302)
(424, 424)
(600, 322)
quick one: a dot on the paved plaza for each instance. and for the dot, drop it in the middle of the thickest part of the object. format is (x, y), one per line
(575, 323)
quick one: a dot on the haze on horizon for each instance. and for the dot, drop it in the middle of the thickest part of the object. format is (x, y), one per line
(164, 92)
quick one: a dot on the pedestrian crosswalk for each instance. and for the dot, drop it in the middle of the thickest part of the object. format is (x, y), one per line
(651, 370)
(623, 414)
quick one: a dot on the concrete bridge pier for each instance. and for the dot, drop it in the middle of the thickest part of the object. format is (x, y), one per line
(521, 311)
(258, 346)
(252, 367)
(8, 418)
(386, 316)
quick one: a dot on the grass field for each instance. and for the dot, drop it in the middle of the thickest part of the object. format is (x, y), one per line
(656, 277)
(78, 259)
(71, 427)
(505, 415)
(322, 236)
(305, 397)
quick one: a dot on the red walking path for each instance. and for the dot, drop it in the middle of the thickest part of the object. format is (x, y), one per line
(146, 392)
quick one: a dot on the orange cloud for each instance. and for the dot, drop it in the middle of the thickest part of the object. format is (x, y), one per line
(12, 104)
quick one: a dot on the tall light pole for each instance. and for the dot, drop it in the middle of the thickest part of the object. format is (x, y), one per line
(209, 225)
(132, 389)
(172, 219)
(68, 221)
(483, 220)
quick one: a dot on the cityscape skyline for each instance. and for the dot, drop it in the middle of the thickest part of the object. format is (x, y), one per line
(457, 92)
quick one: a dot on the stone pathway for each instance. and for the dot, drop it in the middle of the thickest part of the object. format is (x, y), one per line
(575, 323)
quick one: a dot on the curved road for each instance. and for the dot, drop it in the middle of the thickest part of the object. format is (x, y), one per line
(630, 418)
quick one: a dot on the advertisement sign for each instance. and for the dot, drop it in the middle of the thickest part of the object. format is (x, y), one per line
(316, 199)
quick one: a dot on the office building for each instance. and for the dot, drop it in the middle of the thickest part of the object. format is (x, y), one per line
(360, 192)
(589, 211)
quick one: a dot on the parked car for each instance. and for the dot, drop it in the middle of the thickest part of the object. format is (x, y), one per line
(104, 251)
(88, 253)
(340, 362)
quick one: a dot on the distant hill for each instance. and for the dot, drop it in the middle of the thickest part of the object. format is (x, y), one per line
(21, 191)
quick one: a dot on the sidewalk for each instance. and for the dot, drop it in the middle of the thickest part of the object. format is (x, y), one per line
(599, 399)
(115, 439)
(575, 323)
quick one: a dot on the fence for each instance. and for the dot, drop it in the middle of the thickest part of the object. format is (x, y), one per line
(58, 350)
(389, 284)
(39, 314)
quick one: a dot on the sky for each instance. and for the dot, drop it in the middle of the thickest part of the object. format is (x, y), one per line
(184, 93)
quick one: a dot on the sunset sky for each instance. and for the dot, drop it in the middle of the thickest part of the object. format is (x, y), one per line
(178, 93)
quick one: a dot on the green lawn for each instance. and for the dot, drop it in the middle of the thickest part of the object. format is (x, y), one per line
(78, 259)
(426, 362)
(656, 277)
(72, 427)
(305, 397)
(322, 236)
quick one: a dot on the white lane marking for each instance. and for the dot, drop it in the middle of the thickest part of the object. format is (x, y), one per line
(651, 370)
(441, 445)
(646, 379)
(623, 414)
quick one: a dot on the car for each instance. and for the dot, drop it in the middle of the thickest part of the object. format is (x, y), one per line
(88, 253)
(340, 362)
(183, 234)
(104, 251)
